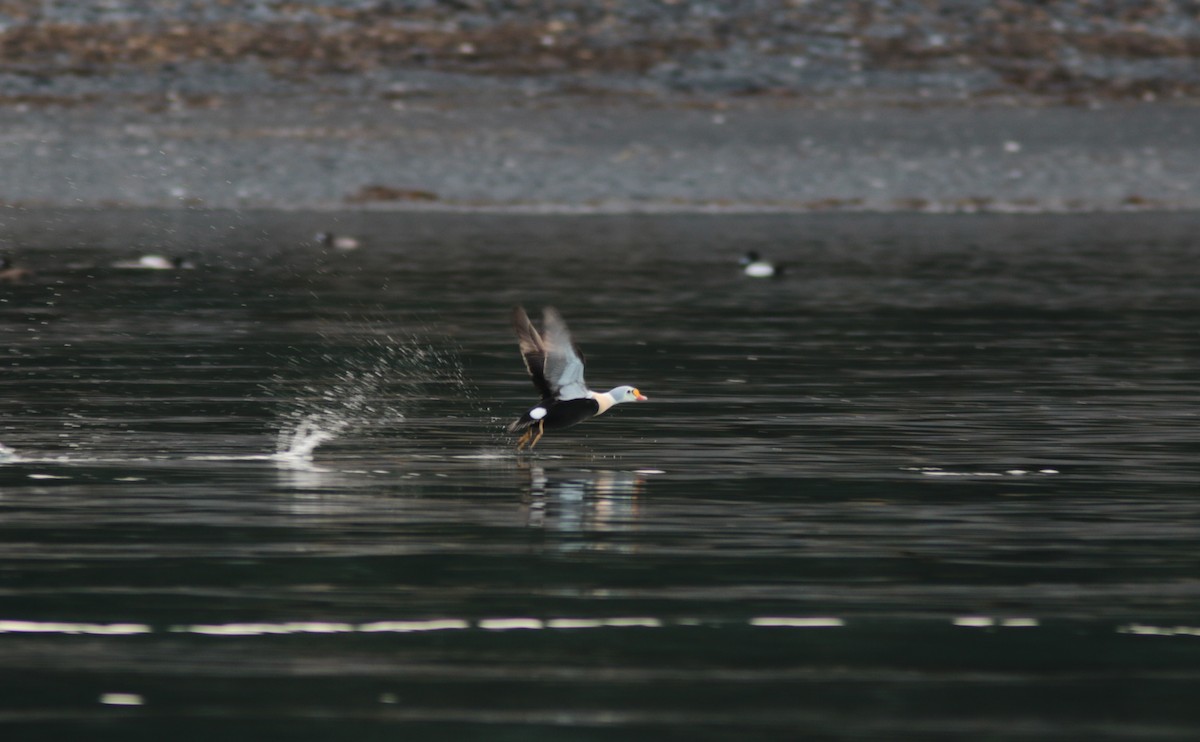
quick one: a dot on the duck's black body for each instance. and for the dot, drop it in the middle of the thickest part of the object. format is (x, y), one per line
(560, 413)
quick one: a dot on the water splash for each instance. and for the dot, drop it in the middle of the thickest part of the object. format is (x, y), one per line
(298, 441)
(7, 454)
(369, 391)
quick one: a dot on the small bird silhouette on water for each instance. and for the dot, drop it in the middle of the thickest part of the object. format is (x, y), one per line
(556, 369)
(10, 273)
(754, 266)
(155, 263)
(337, 241)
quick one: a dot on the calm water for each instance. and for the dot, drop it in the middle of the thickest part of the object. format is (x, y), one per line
(938, 482)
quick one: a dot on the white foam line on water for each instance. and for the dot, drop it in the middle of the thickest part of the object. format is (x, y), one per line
(405, 627)
(510, 623)
(1020, 623)
(1148, 630)
(974, 622)
(575, 623)
(987, 622)
(507, 623)
(937, 471)
(604, 623)
(649, 623)
(261, 629)
(71, 460)
(63, 627)
(122, 699)
(76, 460)
(798, 622)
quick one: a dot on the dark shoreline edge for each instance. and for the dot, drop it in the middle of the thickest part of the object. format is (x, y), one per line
(226, 234)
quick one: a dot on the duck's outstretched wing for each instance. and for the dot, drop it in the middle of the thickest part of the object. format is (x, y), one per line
(533, 351)
(563, 368)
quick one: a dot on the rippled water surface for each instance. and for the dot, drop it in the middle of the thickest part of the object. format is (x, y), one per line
(939, 481)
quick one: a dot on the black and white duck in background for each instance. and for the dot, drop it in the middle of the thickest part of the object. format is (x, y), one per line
(337, 241)
(755, 266)
(556, 368)
(155, 263)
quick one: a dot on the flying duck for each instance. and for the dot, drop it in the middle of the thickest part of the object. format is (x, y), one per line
(556, 368)
(755, 266)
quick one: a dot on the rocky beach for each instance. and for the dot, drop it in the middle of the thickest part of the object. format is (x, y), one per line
(600, 106)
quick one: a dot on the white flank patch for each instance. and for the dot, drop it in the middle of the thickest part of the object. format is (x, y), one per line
(537, 413)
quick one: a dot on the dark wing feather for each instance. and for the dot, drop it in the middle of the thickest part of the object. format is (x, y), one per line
(533, 350)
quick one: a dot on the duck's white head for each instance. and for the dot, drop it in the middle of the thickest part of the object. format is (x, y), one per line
(626, 394)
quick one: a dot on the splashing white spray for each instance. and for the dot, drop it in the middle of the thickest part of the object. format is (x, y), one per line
(298, 441)
(384, 381)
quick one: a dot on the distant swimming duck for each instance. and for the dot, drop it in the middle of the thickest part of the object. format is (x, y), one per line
(556, 368)
(9, 273)
(155, 263)
(755, 266)
(338, 241)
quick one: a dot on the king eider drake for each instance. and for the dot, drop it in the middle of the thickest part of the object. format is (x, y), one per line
(556, 368)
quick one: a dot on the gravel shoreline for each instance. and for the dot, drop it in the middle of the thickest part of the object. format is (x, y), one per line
(604, 156)
(587, 106)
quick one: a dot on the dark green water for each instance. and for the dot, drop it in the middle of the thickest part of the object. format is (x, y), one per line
(938, 482)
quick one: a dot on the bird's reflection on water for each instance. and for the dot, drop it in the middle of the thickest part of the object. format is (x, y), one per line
(566, 500)
(582, 501)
